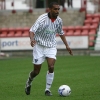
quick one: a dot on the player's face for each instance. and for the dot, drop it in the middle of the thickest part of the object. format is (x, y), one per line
(55, 11)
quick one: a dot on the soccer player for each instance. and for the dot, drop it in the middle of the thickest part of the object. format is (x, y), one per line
(43, 41)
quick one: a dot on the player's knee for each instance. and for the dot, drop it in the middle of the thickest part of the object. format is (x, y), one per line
(51, 69)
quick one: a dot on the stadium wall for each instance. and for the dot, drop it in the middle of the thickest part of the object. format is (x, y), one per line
(20, 45)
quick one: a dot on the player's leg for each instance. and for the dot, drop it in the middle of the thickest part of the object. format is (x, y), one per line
(35, 72)
(31, 77)
(38, 59)
(50, 75)
(51, 58)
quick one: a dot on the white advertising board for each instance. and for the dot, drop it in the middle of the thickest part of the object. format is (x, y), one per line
(74, 42)
(15, 43)
(23, 43)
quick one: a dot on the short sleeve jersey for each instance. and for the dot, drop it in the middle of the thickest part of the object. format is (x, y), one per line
(45, 30)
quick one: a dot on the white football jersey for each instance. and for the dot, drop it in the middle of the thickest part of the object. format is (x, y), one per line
(45, 30)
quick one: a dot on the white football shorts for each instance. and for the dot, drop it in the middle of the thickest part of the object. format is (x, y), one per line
(41, 52)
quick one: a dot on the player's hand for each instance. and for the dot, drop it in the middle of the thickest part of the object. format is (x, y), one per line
(69, 50)
(33, 42)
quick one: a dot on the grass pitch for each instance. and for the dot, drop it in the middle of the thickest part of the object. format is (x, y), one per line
(81, 73)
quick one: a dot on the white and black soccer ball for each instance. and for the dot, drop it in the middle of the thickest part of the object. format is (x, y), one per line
(64, 90)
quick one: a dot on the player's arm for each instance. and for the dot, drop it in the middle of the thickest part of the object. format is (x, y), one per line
(32, 41)
(33, 29)
(66, 44)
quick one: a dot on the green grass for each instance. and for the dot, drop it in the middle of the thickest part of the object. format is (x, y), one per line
(81, 73)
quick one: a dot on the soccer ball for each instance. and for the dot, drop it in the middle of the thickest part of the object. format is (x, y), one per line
(64, 90)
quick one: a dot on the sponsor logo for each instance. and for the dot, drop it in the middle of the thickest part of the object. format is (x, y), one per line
(15, 43)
